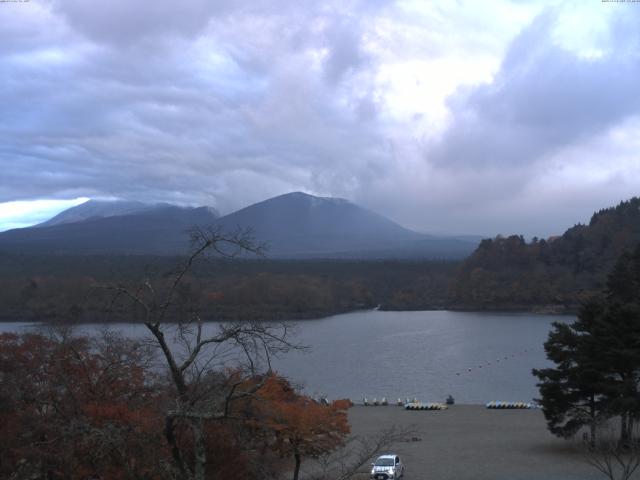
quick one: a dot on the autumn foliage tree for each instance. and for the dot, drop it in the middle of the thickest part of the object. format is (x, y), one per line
(74, 407)
(297, 426)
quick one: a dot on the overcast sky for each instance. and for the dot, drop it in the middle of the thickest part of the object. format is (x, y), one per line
(478, 117)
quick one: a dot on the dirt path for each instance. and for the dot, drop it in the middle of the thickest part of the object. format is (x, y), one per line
(474, 443)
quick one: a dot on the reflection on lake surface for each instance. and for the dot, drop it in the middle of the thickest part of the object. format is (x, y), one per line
(476, 357)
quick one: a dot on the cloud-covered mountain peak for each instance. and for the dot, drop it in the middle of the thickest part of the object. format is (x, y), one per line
(312, 200)
(97, 209)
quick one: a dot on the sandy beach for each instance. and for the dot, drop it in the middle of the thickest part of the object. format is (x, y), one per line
(475, 443)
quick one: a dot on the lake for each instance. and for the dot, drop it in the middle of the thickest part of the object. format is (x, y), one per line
(475, 357)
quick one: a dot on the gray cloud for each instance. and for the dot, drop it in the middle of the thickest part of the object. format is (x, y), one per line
(542, 99)
(498, 166)
(229, 103)
(182, 119)
(123, 22)
(345, 54)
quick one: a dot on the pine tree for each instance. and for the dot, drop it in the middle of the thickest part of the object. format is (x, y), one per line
(597, 359)
(572, 392)
(618, 331)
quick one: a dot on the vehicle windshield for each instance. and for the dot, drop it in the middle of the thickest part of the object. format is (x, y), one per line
(384, 462)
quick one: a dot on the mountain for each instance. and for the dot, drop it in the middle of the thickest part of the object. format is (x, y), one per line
(160, 230)
(556, 274)
(302, 225)
(97, 209)
(295, 225)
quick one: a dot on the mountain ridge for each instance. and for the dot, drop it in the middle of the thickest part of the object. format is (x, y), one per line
(294, 225)
(159, 231)
(301, 224)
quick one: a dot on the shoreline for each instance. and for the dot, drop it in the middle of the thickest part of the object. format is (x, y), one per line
(309, 316)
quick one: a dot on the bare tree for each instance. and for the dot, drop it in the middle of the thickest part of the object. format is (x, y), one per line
(197, 355)
(616, 461)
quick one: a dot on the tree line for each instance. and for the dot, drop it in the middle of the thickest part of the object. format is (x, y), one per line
(52, 288)
(558, 273)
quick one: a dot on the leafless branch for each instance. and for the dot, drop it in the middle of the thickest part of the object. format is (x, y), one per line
(203, 394)
(614, 460)
(354, 457)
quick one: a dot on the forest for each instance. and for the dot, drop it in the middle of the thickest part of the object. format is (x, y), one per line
(59, 288)
(554, 274)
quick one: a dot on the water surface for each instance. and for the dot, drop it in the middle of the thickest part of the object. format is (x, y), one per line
(476, 357)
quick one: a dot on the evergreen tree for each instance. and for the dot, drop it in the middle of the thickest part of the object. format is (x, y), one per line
(572, 392)
(618, 330)
(597, 359)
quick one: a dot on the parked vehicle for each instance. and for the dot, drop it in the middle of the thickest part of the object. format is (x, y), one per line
(387, 467)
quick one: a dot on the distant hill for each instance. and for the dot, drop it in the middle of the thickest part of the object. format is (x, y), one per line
(295, 225)
(557, 273)
(160, 230)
